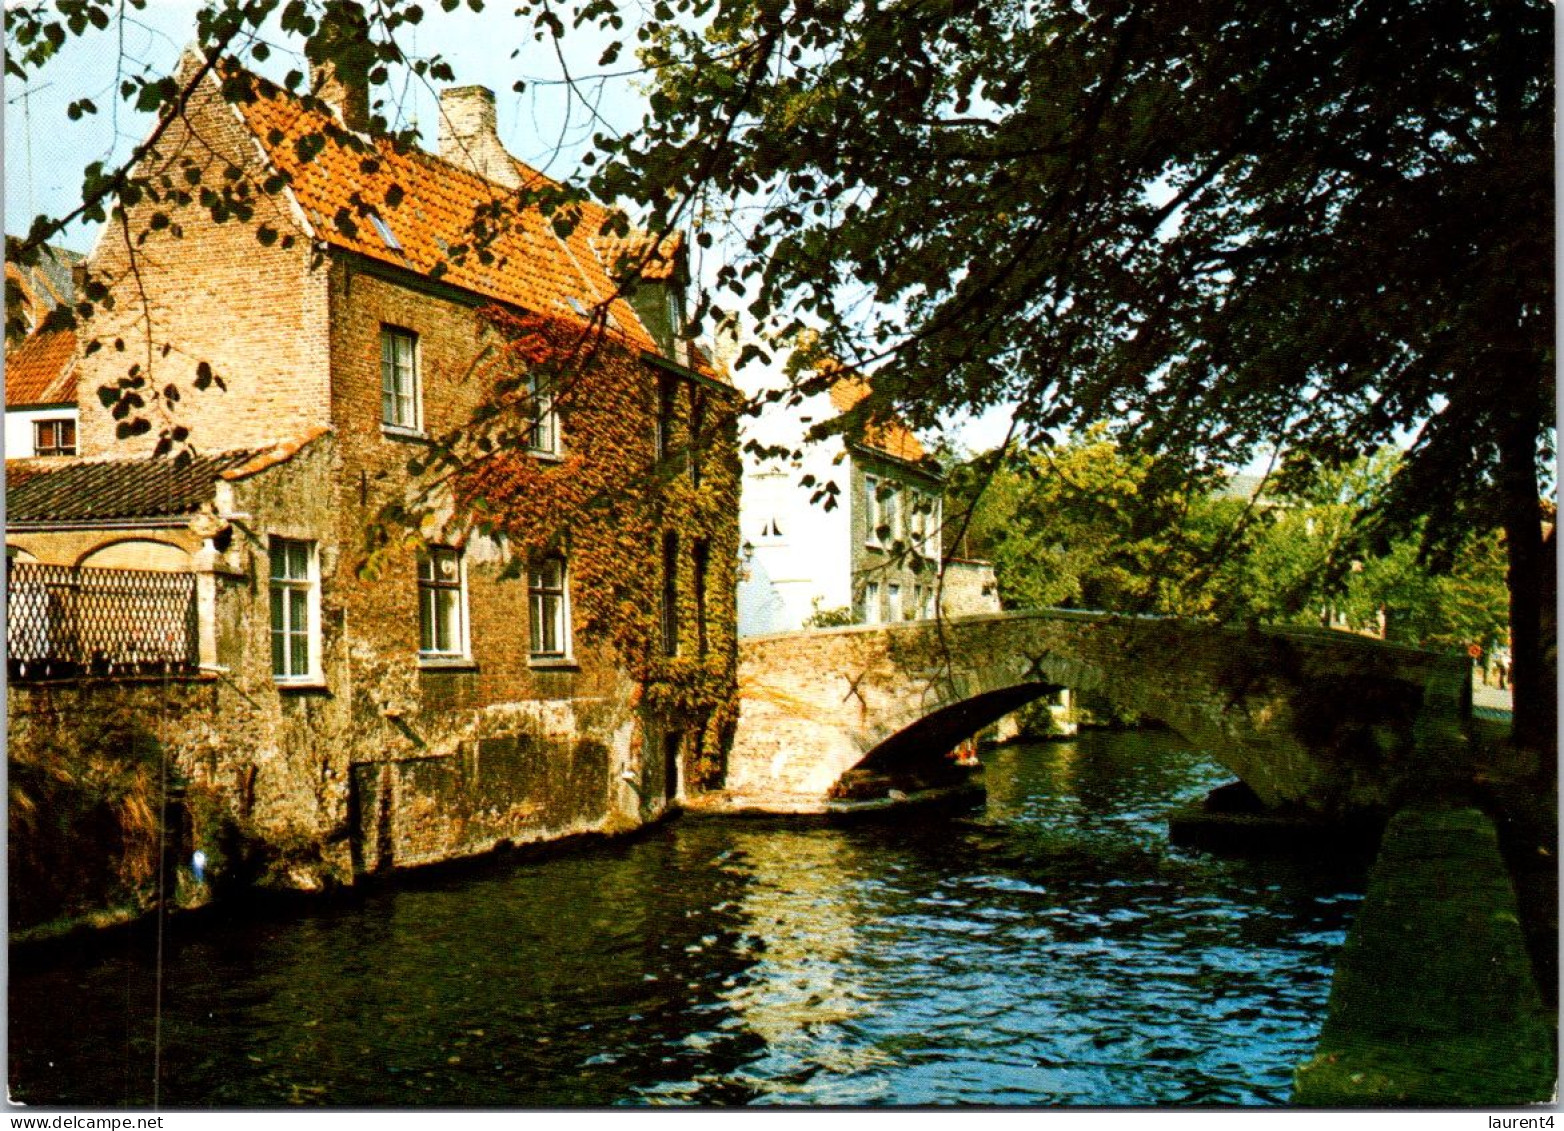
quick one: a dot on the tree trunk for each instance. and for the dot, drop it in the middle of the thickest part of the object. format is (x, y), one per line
(1536, 704)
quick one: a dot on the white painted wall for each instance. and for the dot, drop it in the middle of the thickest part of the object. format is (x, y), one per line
(802, 550)
(798, 553)
(19, 427)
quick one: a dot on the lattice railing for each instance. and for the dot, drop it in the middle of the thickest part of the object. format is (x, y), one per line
(63, 622)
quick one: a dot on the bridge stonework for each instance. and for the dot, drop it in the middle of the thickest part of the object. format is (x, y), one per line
(1311, 719)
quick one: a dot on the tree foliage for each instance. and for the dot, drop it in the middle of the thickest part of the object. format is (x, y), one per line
(1081, 525)
(1319, 226)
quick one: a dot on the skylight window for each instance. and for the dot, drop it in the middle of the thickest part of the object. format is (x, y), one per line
(385, 232)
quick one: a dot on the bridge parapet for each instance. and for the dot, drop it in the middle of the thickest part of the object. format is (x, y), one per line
(1314, 719)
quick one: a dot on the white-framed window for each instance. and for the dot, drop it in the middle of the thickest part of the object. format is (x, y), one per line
(926, 604)
(893, 602)
(543, 434)
(295, 609)
(871, 510)
(921, 522)
(399, 392)
(442, 603)
(548, 586)
(54, 437)
(871, 602)
(673, 302)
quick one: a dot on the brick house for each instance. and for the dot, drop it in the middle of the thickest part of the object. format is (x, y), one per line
(350, 694)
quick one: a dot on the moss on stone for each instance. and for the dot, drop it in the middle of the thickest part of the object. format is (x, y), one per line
(1433, 1001)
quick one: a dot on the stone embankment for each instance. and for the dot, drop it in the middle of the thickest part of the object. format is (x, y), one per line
(1434, 1002)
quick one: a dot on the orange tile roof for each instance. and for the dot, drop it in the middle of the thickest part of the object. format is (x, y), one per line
(893, 438)
(41, 370)
(610, 250)
(533, 267)
(656, 263)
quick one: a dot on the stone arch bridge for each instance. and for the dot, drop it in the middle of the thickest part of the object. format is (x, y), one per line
(1310, 719)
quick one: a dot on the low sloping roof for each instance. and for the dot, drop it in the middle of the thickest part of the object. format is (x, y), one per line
(894, 439)
(41, 370)
(533, 267)
(113, 489)
(81, 491)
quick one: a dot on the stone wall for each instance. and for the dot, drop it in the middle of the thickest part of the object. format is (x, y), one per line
(968, 588)
(1433, 1002)
(1319, 720)
(376, 763)
(381, 757)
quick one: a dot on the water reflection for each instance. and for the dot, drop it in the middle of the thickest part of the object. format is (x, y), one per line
(1050, 948)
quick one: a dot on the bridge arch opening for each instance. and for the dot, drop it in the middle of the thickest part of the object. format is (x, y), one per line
(922, 753)
(1306, 720)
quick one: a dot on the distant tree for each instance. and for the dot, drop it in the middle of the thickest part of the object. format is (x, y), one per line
(1318, 560)
(1088, 525)
(829, 618)
(1078, 526)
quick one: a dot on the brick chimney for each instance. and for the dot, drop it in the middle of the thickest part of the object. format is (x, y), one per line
(469, 136)
(341, 57)
(348, 96)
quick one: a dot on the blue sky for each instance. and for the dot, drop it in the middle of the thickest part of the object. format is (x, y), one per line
(547, 125)
(46, 152)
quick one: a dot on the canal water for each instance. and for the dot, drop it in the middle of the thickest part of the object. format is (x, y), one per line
(1048, 948)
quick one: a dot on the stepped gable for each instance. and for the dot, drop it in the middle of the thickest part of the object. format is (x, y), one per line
(49, 282)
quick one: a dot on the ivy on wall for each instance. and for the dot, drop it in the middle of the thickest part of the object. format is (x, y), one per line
(608, 502)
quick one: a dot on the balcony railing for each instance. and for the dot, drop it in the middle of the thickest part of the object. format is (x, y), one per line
(64, 622)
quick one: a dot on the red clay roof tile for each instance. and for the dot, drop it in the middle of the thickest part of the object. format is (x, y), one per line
(533, 267)
(656, 263)
(893, 438)
(40, 370)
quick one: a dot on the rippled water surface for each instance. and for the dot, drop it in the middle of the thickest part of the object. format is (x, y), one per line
(1050, 948)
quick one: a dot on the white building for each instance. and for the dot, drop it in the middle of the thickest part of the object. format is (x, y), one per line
(837, 531)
